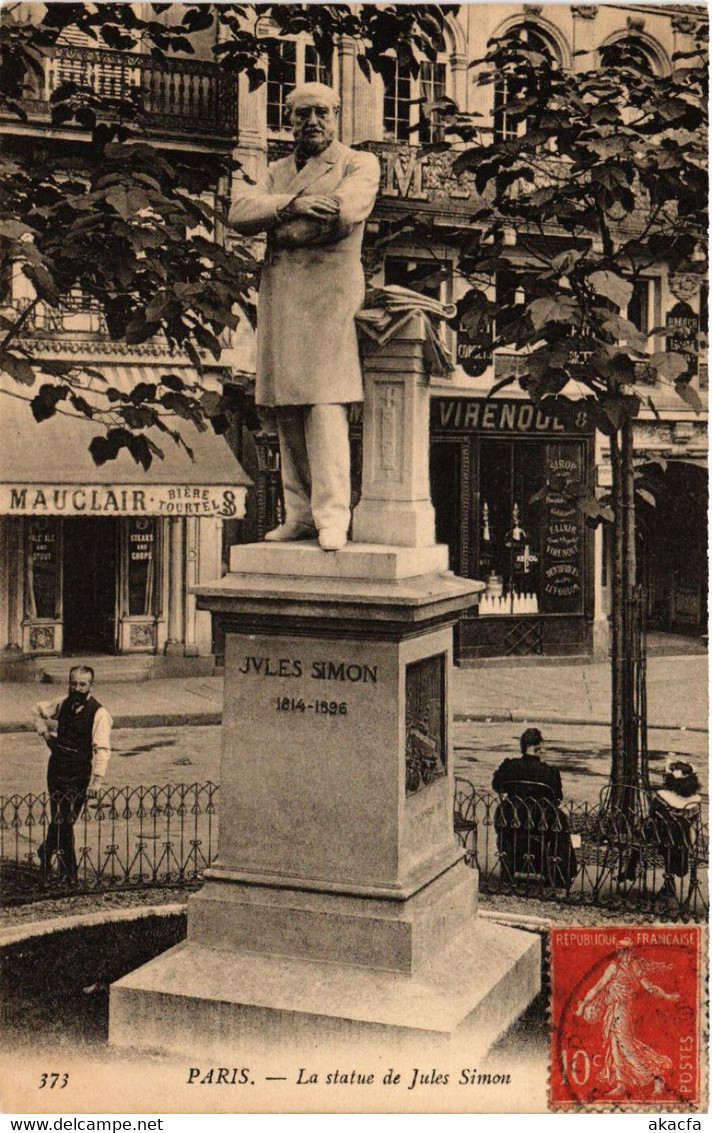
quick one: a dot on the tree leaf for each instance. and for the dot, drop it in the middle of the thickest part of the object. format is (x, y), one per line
(172, 381)
(118, 198)
(211, 402)
(556, 308)
(193, 355)
(137, 417)
(18, 368)
(140, 450)
(15, 229)
(669, 367)
(44, 403)
(208, 340)
(56, 368)
(81, 405)
(42, 282)
(689, 395)
(612, 286)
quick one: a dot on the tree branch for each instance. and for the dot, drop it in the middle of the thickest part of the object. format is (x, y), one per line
(12, 333)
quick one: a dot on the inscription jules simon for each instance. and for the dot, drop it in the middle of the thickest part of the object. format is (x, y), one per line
(349, 671)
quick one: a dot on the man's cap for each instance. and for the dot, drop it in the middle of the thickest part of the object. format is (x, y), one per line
(313, 94)
(530, 738)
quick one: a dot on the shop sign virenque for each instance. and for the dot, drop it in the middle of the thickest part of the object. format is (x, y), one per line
(226, 501)
(482, 415)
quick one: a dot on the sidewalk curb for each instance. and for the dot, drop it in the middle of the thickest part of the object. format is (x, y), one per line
(566, 721)
(212, 719)
(157, 720)
(30, 930)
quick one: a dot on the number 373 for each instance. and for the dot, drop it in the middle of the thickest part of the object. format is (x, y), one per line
(53, 1081)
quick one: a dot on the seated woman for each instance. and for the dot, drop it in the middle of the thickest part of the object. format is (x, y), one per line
(532, 831)
(672, 821)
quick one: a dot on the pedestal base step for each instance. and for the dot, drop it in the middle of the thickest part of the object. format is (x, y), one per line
(355, 560)
(199, 998)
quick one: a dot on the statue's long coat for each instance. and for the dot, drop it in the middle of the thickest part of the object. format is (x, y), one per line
(312, 281)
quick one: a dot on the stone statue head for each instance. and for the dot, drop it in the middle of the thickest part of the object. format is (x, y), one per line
(313, 112)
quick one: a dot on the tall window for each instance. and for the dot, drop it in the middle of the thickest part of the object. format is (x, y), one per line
(639, 305)
(295, 62)
(43, 557)
(507, 126)
(140, 570)
(631, 52)
(433, 83)
(422, 275)
(405, 118)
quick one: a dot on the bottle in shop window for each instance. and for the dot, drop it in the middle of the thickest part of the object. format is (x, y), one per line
(516, 534)
(485, 539)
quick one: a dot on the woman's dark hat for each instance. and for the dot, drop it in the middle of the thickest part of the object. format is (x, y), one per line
(530, 738)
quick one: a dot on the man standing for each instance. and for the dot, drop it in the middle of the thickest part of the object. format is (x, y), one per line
(313, 206)
(77, 730)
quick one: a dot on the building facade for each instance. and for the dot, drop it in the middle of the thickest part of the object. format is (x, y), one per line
(97, 561)
(547, 573)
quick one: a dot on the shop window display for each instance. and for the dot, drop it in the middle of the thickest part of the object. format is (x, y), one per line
(43, 559)
(142, 551)
(531, 532)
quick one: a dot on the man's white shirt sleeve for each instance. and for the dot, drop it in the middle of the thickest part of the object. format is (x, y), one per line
(45, 714)
(101, 741)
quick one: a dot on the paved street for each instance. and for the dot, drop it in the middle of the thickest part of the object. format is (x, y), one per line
(575, 693)
(677, 692)
(168, 730)
(582, 754)
(189, 754)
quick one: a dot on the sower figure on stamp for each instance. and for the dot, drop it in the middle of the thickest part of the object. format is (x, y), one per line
(313, 206)
(628, 1063)
(77, 730)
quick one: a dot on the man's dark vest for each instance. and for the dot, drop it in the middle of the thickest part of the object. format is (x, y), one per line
(74, 730)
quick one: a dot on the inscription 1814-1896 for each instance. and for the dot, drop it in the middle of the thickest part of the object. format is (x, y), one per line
(425, 743)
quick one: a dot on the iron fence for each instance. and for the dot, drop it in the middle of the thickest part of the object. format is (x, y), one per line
(128, 838)
(575, 854)
(629, 861)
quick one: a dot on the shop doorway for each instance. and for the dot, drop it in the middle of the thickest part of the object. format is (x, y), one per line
(672, 546)
(90, 575)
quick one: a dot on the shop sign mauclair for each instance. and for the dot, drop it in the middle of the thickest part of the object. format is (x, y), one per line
(121, 499)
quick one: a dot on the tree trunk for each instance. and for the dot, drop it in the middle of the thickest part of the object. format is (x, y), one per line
(631, 777)
(629, 614)
(625, 777)
(617, 629)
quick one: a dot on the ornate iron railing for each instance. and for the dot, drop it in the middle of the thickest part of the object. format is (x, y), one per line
(130, 838)
(583, 854)
(574, 854)
(178, 95)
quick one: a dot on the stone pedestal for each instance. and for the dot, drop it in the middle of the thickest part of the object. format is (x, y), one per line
(340, 911)
(395, 505)
(339, 908)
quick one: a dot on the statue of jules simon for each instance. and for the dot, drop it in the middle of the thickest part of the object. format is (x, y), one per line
(313, 206)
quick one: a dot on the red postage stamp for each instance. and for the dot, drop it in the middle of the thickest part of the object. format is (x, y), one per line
(626, 1017)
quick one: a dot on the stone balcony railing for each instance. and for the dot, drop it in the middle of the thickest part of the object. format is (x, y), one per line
(178, 96)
